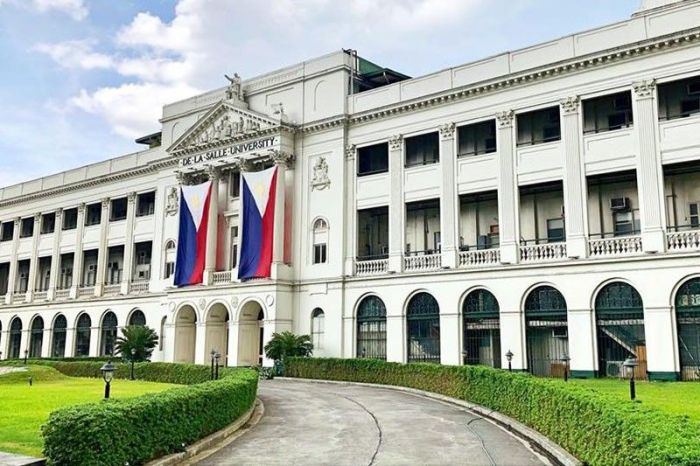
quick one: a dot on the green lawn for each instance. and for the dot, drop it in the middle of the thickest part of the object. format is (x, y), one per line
(23, 409)
(671, 397)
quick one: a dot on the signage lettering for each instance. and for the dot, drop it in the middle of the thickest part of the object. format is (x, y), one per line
(236, 149)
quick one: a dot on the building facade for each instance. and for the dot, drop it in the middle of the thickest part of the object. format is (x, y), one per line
(543, 203)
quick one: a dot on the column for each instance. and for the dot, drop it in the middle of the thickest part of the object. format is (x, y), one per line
(102, 250)
(94, 350)
(350, 210)
(55, 255)
(78, 255)
(450, 350)
(34, 260)
(232, 350)
(582, 341)
(283, 162)
(46, 340)
(24, 341)
(212, 225)
(127, 270)
(649, 172)
(507, 189)
(575, 206)
(395, 338)
(661, 342)
(201, 353)
(12, 275)
(70, 342)
(448, 196)
(397, 209)
(512, 339)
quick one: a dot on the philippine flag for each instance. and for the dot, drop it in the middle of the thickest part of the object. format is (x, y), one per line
(259, 192)
(192, 240)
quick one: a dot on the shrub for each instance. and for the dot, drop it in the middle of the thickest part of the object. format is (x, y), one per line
(134, 430)
(286, 344)
(140, 339)
(596, 428)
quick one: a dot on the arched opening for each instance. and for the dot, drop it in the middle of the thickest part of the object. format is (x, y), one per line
(546, 332)
(423, 322)
(371, 328)
(36, 337)
(185, 334)
(216, 338)
(250, 334)
(108, 334)
(138, 318)
(688, 323)
(481, 329)
(320, 241)
(318, 330)
(58, 344)
(620, 330)
(15, 340)
(82, 335)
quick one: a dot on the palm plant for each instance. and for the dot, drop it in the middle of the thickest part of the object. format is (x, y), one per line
(141, 338)
(286, 344)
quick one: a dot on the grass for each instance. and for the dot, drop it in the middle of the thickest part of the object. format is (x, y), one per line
(24, 409)
(671, 397)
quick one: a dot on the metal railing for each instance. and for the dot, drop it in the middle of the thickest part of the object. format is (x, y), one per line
(618, 246)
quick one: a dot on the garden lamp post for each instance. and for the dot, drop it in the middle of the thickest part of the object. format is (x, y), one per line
(133, 357)
(509, 357)
(630, 364)
(464, 357)
(364, 352)
(565, 359)
(107, 374)
(26, 354)
(212, 353)
(216, 359)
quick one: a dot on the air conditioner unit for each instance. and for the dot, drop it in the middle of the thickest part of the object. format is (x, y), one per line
(619, 203)
(143, 272)
(560, 332)
(614, 369)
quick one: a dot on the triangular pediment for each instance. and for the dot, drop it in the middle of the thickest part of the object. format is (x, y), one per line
(223, 124)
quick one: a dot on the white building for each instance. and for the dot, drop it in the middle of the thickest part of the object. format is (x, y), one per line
(544, 201)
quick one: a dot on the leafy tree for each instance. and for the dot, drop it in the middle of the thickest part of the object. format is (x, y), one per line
(285, 344)
(139, 337)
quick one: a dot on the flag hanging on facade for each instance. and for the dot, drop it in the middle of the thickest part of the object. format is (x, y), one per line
(192, 238)
(258, 193)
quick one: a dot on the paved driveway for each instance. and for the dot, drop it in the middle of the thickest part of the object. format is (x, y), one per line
(310, 423)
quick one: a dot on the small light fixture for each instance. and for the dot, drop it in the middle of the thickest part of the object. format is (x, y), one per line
(212, 353)
(107, 374)
(133, 357)
(565, 359)
(26, 354)
(216, 358)
(630, 364)
(509, 357)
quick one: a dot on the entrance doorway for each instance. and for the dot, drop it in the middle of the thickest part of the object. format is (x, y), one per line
(185, 334)
(251, 335)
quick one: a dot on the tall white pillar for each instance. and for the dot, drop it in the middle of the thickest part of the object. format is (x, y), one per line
(575, 207)
(513, 339)
(34, 260)
(350, 210)
(94, 350)
(283, 161)
(508, 209)
(582, 341)
(78, 258)
(448, 196)
(397, 209)
(70, 342)
(395, 338)
(24, 340)
(661, 342)
(649, 172)
(46, 341)
(201, 352)
(450, 351)
(55, 254)
(127, 269)
(103, 250)
(212, 225)
(12, 275)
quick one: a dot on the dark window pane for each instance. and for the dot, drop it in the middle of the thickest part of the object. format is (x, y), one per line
(422, 150)
(373, 159)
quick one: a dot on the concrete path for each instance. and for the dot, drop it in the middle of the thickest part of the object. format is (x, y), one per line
(309, 423)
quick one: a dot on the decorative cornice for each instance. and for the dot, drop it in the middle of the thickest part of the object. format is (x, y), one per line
(570, 104)
(396, 142)
(447, 131)
(325, 124)
(505, 119)
(644, 89)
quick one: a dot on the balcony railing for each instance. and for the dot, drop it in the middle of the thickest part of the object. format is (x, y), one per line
(221, 278)
(683, 240)
(86, 291)
(620, 246)
(138, 286)
(543, 252)
(479, 257)
(422, 263)
(40, 295)
(371, 267)
(62, 294)
(112, 289)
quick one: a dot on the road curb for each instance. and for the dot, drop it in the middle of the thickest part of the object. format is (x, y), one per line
(539, 442)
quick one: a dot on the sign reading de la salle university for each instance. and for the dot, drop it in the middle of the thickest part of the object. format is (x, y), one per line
(230, 151)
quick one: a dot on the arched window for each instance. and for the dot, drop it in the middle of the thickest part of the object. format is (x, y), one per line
(108, 334)
(82, 335)
(58, 345)
(481, 329)
(423, 322)
(371, 328)
(318, 328)
(320, 241)
(170, 254)
(619, 316)
(688, 323)
(15, 341)
(36, 338)
(546, 332)
(137, 318)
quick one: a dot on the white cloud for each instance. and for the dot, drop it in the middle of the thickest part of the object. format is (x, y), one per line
(76, 9)
(75, 54)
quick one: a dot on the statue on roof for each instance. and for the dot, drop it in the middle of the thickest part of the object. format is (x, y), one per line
(235, 89)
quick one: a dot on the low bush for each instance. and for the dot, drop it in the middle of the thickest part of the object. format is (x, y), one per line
(596, 428)
(132, 431)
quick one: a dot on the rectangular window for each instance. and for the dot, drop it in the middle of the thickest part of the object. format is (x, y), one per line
(234, 247)
(235, 184)
(679, 99)
(70, 219)
(118, 210)
(607, 113)
(169, 269)
(624, 223)
(539, 127)
(93, 214)
(422, 150)
(320, 253)
(693, 216)
(476, 139)
(26, 227)
(7, 231)
(555, 230)
(373, 233)
(373, 159)
(146, 204)
(48, 223)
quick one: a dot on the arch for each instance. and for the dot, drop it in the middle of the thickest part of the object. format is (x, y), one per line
(217, 330)
(58, 336)
(15, 338)
(108, 333)
(687, 305)
(169, 255)
(423, 328)
(320, 224)
(185, 333)
(83, 328)
(36, 337)
(318, 329)
(371, 328)
(319, 240)
(481, 342)
(251, 332)
(137, 317)
(619, 313)
(546, 331)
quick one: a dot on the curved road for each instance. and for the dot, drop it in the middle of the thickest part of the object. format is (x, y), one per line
(311, 423)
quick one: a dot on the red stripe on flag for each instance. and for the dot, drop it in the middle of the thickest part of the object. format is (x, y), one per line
(268, 230)
(201, 252)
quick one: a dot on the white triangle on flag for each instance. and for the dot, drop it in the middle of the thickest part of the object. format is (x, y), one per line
(195, 196)
(259, 184)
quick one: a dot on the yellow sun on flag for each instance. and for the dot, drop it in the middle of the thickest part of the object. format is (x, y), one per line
(195, 201)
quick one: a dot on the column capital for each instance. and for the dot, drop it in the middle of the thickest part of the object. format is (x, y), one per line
(17, 221)
(131, 197)
(105, 203)
(213, 173)
(241, 164)
(447, 131)
(395, 142)
(81, 208)
(570, 105)
(37, 217)
(644, 89)
(350, 151)
(59, 213)
(283, 158)
(505, 118)
(180, 177)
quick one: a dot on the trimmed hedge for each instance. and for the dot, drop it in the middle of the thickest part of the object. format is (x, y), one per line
(133, 431)
(596, 428)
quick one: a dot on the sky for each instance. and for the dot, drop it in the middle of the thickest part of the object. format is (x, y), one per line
(81, 79)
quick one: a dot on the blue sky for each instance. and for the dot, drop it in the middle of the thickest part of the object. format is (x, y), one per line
(80, 79)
